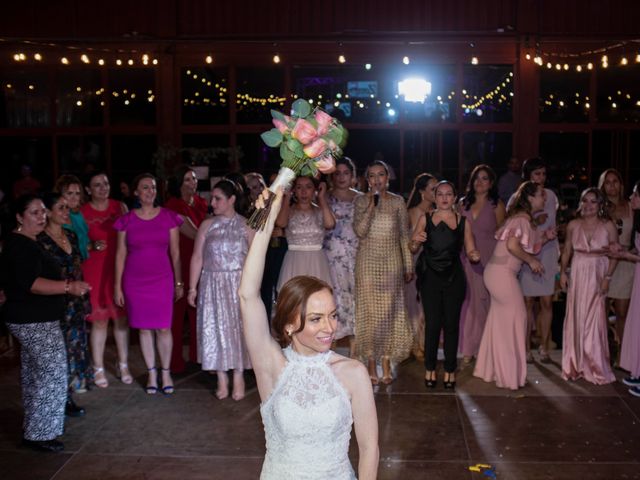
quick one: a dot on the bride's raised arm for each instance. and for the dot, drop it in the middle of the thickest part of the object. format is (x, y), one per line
(266, 355)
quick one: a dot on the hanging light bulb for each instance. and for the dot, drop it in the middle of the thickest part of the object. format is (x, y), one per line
(155, 61)
(624, 61)
(209, 59)
(605, 59)
(276, 58)
(130, 61)
(84, 58)
(638, 58)
(578, 68)
(527, 56)
(474, 60)
(118, 62)
(566, 66)
(37, 57)
(406, 60)
(16, 57)
(367, 66)
(589, 66)
(64, 61)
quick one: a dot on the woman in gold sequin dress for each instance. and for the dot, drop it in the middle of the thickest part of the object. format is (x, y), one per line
(383, 265)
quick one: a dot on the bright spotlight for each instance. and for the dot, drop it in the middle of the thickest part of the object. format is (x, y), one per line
(391, 112)
(414, 89)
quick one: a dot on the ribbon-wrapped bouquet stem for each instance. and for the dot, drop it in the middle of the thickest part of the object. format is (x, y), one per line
(310, 140)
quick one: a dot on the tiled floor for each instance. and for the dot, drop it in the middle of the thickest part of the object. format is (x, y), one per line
(551, 429)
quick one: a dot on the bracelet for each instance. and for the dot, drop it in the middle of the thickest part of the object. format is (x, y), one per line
(67, 286)
(179, 284)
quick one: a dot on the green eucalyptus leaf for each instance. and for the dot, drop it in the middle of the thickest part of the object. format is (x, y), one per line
(285, 153)
(278, 116)
(272, 138)
(301, 108)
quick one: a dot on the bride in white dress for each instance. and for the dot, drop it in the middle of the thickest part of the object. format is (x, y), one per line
(310, 395)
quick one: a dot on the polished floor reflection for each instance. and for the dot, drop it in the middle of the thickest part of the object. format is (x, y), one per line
(551, 429)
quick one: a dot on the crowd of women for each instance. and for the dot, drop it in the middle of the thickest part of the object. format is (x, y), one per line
(465, 273)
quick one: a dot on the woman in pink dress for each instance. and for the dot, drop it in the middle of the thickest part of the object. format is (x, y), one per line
(502, 357)
(100, 213)
(484, 212)
(148, 278)
(630, 353)
(585, 351)
(192, 208)
(420, 204)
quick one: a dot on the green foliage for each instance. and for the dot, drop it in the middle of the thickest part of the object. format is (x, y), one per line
(272, 138)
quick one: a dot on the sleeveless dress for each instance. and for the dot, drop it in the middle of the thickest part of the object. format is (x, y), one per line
(307, 422)
(148, 277)
(622, 278)
(383, 257)
(340, 245)
(585, 350)
(219, 325)
(477, 299)
(630, 353)
(502, 356)
(99, 269)
(305, 256)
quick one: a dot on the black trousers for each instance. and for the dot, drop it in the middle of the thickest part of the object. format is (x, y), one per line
(272, 263)
(442, 297)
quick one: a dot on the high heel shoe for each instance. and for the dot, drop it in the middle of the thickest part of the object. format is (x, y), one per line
(167, 389)
(123, 374)
(432, 381)
(151, 389)
(99, 377)
(448, 383)
(387, 377)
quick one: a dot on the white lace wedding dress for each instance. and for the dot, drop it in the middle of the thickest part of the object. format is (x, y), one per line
(307, 422)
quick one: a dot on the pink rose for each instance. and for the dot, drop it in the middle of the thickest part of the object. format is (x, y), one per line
(326, 164)
(316, 148)
(304, 132)
(324, 121)
(280, 125)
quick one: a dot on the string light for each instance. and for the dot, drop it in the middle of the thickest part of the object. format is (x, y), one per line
(367, 66)
(527, 56)
(208, 59)
(37, 57)
(118, 62)
(624, 61)
(276, 58)
(342, 59)
(406, 60)
(101, 61)
(64, 61)
(84, 58)
(474, 61)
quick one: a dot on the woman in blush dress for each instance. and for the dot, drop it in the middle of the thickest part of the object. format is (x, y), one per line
(585, 349)
(218, 257)
(630, 353)
(192, 208)
(305, 224)
(98, 270)
(383, 266)
(311, 396)
(621, 213)
(502, 357)
(484, 212)
(148, 278)
(541, 286)
(340, 245)
(421, 203)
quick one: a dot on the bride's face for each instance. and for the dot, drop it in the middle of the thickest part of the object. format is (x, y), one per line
(320, 325)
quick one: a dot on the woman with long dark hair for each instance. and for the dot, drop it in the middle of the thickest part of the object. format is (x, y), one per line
(502, 357)
(192, 208)
(484, 212)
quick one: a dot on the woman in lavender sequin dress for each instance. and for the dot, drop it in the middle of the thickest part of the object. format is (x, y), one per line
(340, 245)
(218, 257)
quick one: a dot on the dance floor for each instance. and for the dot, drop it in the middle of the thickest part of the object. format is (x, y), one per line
(551, 429)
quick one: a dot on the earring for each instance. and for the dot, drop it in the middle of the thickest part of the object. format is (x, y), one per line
(289, 333)
(19, 226)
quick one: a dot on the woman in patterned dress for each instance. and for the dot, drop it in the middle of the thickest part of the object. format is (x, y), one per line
(62, 244)
(340, 245)
(383, 266)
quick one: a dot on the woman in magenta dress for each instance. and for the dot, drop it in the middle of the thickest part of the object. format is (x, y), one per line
(100, 213)
(484, 212)
(585, 350)
(192, 208)
(148, 277)
(502, 357)
(630, 353)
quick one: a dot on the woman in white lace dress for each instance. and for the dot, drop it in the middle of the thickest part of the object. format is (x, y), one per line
(310, 395)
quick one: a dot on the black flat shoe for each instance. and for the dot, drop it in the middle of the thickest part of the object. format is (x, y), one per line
(43, 445)
(430, 383)
(73, 410)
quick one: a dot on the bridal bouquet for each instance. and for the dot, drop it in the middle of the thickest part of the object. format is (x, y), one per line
(309, 140)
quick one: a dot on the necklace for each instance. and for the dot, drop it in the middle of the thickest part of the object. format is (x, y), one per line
(62, 238)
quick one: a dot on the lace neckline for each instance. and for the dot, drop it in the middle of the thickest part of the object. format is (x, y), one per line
(296, 357)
